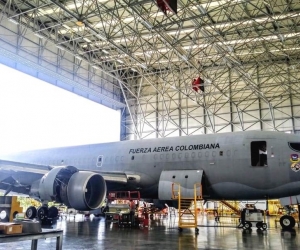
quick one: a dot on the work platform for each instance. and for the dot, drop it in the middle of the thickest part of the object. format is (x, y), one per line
(162, 233)
(33, 237)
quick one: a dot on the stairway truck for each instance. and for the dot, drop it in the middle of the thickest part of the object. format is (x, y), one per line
(253, 217)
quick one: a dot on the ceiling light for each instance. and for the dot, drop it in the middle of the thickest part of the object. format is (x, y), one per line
(103, 37)
(184, 57)
(105, 51)
(38, 35)
(13, 21)
(87, 40)
(66, 26)
(202, 10)
(95, 67)
(148, 25)
(120, 61)
(143, 66)
(60, 47)
(78, 57)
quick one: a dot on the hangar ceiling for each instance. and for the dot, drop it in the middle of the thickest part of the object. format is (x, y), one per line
(131, 55)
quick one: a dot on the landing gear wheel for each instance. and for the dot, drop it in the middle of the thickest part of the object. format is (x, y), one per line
(31, 212)
(42, 213)
(247, 225)
(196, 230)
(287, 222)
(259, 225)
(264, 226)
(53, 212)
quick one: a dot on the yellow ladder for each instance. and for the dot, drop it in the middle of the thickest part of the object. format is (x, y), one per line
(231, 205)
(187, 216)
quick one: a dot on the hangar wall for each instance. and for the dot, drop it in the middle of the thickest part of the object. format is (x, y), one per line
(44, 58)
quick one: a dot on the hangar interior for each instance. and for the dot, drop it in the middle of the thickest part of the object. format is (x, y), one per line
(173, 68)
(143, 57)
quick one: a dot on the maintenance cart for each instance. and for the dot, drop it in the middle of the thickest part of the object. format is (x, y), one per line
(251, 216)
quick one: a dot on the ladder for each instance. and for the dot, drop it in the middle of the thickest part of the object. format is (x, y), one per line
(187, 215)
(233, 206)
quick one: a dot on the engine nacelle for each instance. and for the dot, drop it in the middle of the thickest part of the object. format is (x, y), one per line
(81, 190)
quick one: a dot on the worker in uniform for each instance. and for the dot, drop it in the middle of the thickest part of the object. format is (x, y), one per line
(262, 156)
(132, 211)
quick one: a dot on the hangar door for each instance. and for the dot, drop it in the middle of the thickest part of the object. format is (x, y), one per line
(186, 178)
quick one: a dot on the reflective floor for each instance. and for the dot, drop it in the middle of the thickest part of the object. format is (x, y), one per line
(163, 234)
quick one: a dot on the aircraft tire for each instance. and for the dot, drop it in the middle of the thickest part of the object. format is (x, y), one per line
(259, 225)
(264, 226)
(247, 225)
(31, 212)
(287, 222)
(42, 213)
(53, 212)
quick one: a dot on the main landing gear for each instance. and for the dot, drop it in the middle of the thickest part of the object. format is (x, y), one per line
(287, 222)
(44, 213)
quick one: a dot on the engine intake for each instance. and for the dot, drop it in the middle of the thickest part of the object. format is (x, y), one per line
(81, 190)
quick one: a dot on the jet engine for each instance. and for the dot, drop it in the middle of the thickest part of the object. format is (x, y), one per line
(81, 190)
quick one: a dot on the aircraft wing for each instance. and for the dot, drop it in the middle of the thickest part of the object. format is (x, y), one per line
(18, 176)
(23, 167)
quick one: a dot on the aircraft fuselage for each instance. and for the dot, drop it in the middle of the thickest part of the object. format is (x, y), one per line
(230, 162)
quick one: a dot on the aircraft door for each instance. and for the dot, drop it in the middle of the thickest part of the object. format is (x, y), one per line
(186, 178)
(264, 153)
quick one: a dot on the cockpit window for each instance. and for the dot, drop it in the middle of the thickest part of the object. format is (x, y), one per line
(259, 153)
(295, 146)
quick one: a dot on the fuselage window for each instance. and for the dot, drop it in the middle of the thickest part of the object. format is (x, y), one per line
(259, 153)
(99, 161)
(294, 146)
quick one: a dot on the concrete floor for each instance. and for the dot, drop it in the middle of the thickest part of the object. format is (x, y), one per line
(162, 234)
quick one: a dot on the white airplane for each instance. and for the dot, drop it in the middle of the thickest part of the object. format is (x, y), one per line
(248, 165)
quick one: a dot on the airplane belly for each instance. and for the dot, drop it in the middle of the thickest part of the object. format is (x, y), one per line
(239, 191)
